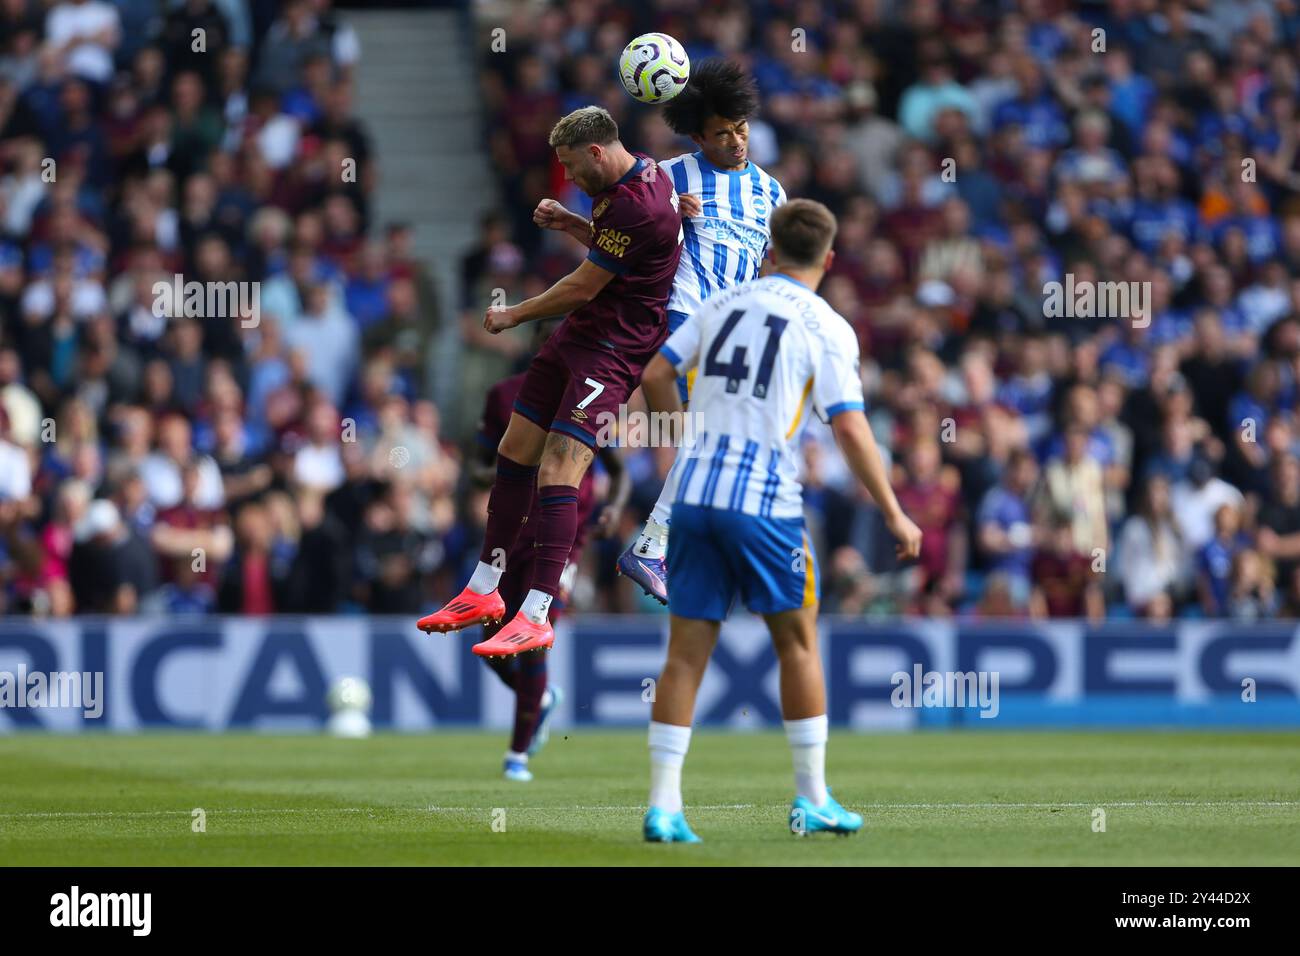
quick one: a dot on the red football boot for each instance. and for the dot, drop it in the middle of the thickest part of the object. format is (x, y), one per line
(520, 635)
(466, 609)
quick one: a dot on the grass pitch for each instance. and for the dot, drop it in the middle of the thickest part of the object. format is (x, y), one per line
(943, 798)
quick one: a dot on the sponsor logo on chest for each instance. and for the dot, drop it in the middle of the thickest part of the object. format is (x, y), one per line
(613, 242)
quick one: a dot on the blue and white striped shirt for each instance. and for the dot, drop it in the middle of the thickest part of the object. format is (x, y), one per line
(726, 243)
(769, 353)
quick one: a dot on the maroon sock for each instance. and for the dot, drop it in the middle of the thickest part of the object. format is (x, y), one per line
(530, 685)
(557, 526)
(508, 506)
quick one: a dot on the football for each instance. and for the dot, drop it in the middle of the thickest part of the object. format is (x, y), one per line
(349, 703)
(654, 68)
(349, 693)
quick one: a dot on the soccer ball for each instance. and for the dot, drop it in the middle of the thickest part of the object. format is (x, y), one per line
(349, 693)
(654, 68)
(349, 703)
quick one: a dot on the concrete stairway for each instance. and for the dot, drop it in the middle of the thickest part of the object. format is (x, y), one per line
(417, 93)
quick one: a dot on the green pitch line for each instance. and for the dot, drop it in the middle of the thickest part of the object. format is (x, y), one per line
(1175, 798)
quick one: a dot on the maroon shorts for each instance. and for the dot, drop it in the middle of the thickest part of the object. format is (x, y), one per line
(576, 389)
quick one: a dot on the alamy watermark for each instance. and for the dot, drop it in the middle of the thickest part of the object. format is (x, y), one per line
(1085, 299)
(644, 429)
(922, 688)
(178, 298)
(56, 689)
(74, 908)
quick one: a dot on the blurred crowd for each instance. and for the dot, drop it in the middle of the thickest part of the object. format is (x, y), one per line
(278, 456)
(974, 152)
(288, 457)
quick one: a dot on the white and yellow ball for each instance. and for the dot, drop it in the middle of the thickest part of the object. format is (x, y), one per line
(654, 68)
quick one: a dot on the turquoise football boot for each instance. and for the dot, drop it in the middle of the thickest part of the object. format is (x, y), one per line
(517, 770)
(830, 817)
(663, 827)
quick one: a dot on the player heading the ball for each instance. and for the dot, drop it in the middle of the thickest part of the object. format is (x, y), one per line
(727, 204)
(615, 307)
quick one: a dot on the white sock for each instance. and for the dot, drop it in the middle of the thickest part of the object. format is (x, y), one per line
(663, 509)
(536, 606)
(485, 578)
(668, 746)
(520, 758)
(807, 739)
(653, 542)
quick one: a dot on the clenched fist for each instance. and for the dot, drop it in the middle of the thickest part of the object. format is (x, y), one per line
(550, 214)
(908, 535)
(499, 318)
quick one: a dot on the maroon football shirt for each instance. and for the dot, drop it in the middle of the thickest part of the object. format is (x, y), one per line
(636, 233)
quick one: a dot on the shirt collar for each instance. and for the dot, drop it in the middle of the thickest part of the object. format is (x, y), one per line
(636, 168)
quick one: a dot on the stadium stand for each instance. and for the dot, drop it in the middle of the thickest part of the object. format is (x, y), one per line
(973, 151)
(161, 461)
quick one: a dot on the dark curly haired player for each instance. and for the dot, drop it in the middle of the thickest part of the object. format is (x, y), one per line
(727, 235)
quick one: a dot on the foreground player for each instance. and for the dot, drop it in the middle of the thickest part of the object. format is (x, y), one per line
(726, 241)
(762, 350)
(580, 378)
(536, 699)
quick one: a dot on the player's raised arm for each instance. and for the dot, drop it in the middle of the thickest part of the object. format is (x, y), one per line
(623, 229)
(572, 292)
(551, 214)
